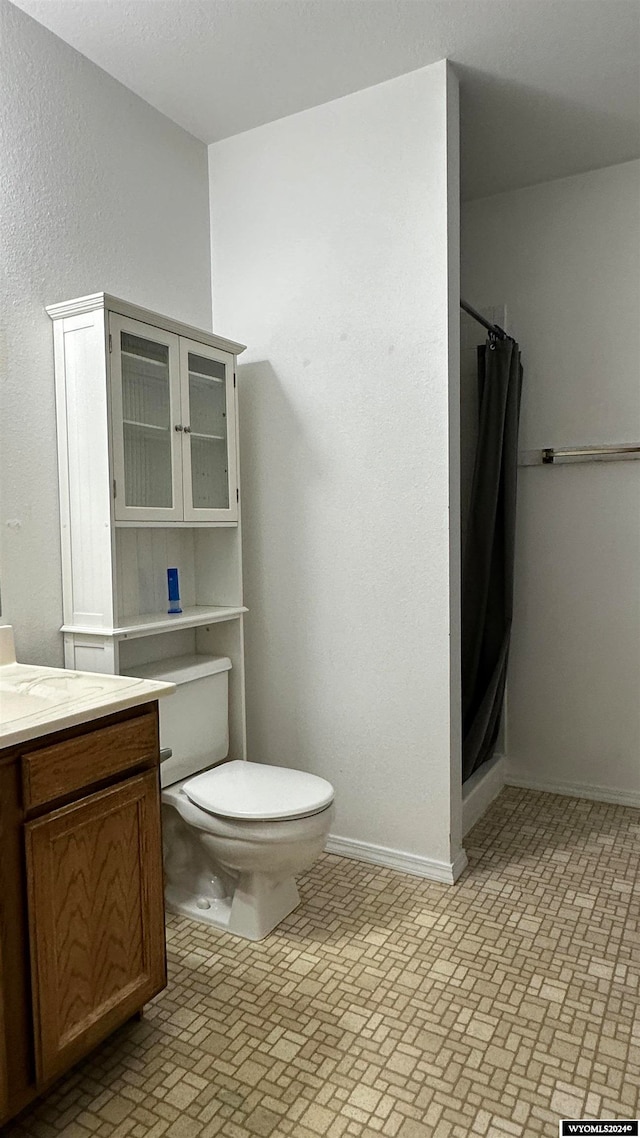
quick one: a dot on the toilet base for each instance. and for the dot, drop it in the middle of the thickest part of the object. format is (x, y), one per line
(254, 910)
(235, 875)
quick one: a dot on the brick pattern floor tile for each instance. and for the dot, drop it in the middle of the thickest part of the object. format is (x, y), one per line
(391, 1006)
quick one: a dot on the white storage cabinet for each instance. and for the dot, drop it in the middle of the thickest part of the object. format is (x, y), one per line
(149, 480)
(173, 426)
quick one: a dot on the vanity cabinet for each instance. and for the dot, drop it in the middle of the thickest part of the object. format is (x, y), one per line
(4, 1088)
(149, 480)
(95, 915)
(82, 938)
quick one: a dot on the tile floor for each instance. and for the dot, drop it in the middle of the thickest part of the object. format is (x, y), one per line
(388, 1005)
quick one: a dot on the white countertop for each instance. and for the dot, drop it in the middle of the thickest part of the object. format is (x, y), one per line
(36, 701)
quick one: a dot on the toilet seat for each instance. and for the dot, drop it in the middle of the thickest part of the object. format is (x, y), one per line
(257, 792)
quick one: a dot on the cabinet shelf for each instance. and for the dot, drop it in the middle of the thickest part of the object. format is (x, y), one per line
(200, 435)
(143, 426)
(148, 624)
(203, 375)
(144, 359)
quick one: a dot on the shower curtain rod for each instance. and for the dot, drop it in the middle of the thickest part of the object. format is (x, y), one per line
(494, 329)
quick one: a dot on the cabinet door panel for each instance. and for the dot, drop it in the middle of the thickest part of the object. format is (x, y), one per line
(96, 915)
(145, 395)
(16, 1043)
(210, 463)
(4, 1080)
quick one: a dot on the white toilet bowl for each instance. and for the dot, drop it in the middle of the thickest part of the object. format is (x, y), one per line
(236, 837)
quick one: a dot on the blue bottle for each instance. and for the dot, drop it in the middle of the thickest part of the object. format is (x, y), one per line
(174, 591)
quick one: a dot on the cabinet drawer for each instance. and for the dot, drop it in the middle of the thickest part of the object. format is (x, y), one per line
(73, 764)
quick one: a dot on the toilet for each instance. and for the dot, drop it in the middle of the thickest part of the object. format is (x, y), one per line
(235, 835)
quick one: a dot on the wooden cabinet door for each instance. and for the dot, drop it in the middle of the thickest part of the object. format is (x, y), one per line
(17, 1075)
(4, 1088)
(96, 918)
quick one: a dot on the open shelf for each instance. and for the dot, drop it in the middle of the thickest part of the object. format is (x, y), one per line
(194, 666)
(146, 624)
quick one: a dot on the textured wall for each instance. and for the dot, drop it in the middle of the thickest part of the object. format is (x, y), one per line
(99, 192)
(565, 259)
(331, 261)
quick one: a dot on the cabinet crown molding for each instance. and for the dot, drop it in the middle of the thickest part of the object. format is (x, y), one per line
(103, 300)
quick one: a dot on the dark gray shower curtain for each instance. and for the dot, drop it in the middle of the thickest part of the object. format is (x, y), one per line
(487, 569)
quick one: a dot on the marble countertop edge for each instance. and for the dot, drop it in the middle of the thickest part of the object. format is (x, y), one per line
(37, 701)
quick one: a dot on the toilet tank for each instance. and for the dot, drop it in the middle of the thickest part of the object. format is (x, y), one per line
(194, 721)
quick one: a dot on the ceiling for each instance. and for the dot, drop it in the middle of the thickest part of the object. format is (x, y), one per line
(548, 87)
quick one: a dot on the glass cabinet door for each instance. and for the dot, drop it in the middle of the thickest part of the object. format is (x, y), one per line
(209, 440)
(147, 431)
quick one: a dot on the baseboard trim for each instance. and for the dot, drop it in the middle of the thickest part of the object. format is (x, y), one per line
(577, 790)
(443, 871)
(481, 790)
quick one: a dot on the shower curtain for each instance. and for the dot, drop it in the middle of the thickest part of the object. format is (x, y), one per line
(487, 569)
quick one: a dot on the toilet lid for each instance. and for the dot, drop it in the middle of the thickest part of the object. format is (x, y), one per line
(259, 792)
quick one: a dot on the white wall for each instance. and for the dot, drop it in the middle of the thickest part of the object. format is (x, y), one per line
(99, 192)
(331, 261)
(565, 258)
